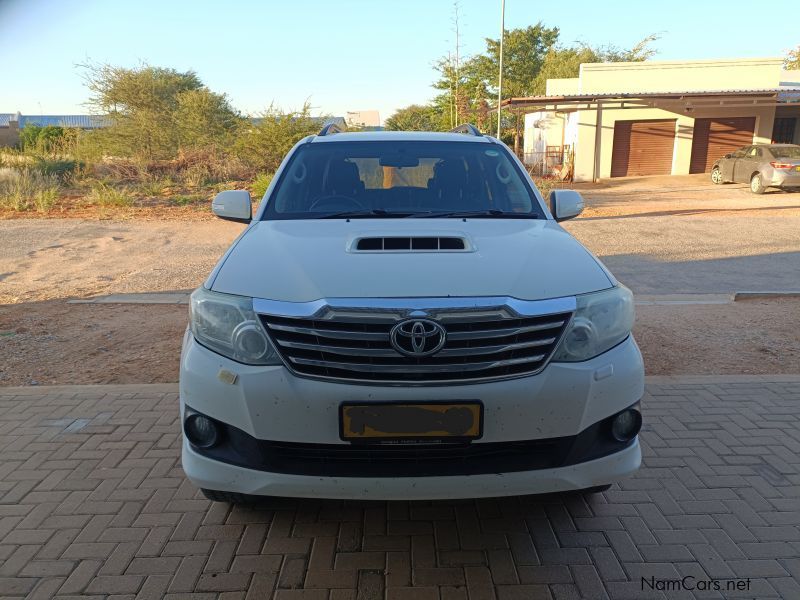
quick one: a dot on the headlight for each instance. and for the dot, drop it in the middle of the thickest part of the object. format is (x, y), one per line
(602, 320)
(227, 325)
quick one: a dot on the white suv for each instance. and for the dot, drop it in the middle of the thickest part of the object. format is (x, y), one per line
(404, 318)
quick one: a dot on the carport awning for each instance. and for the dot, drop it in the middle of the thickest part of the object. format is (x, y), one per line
(781, 96)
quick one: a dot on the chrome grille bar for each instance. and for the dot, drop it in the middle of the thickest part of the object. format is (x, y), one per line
(486, 338)
(415, 368)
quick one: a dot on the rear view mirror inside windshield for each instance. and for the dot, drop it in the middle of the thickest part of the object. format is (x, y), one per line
(398, 160)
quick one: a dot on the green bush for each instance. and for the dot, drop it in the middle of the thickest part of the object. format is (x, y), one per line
(27, 189)
(153, 186)
(260, 185)
(48, 139)
(63, 168)
(186, 199)
(264, 144)
(103, 194)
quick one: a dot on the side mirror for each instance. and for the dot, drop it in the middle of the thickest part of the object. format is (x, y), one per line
(565, 204)
(728, 155)
(233, 205)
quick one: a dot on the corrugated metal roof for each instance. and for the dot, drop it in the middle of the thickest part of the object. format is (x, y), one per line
(79, 121)
(787, 93)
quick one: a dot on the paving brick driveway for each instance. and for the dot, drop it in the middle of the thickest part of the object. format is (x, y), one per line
(93, 503)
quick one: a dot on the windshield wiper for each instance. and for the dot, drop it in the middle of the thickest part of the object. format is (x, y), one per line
(491, 213)
(358, 214)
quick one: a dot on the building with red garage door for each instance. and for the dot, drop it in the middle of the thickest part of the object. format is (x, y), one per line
(657, 117)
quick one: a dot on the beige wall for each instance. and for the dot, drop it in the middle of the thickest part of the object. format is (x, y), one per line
(584, 152)
(563, 87)
(9, 136)
(663, 76)
(680, 76)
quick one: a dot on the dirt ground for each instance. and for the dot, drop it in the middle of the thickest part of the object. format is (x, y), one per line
(46, 343)
(58, 343)
(659, 235)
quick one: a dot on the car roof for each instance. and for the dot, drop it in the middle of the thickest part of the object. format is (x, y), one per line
(775, 145)
(396, 136)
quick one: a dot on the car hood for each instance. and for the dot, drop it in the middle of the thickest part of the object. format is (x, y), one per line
(305, 260)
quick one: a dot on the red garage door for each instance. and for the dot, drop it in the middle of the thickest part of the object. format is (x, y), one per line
(643, 147)
(714, 138)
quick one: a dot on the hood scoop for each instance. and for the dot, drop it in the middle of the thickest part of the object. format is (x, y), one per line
(410, 244)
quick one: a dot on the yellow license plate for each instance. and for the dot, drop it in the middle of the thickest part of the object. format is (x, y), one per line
(798, 167)
(411, 421)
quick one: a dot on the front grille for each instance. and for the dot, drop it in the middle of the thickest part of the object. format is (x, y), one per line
(478, 347)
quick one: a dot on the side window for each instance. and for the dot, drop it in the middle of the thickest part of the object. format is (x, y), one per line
(740, 153)
(754, 152)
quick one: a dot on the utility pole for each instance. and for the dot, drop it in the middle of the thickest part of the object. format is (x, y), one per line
(458, 57)
(500, 74)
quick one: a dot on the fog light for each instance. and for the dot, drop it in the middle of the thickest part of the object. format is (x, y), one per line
(201, 431)
(626, 425)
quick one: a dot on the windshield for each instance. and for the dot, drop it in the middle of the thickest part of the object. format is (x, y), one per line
(785, 151)
(401, 179)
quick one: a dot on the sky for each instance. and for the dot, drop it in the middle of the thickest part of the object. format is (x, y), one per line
(342, 55)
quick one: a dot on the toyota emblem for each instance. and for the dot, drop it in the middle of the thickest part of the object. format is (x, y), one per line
(418, 337)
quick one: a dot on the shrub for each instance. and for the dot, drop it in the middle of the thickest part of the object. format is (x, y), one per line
(48, 139)
(260, 185)
(103, 194)
(153, 186)
(186, 199)
(263, 144)
(27, 189)
(63, 168)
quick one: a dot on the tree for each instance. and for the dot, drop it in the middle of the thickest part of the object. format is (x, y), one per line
(562, 63)
(792, 60)
(524, 51)
(264, 142)
(156, 111)
(204, 119)
(416, 117)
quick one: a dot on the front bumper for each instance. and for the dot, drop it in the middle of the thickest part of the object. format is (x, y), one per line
(269, 403)
(210, 474)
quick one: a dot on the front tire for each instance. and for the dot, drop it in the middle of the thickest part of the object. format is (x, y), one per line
(757, 185)
(716, 176)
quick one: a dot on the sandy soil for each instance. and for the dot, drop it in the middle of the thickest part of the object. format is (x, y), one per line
(659, 235)
(48, 343)
(58, 343)
(746, 337)
(67, 258)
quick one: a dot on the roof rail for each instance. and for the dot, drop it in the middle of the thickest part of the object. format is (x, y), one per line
(330, 129)
(467, 128)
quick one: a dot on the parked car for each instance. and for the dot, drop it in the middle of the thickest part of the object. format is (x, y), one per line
(761, 165)
(404, 318)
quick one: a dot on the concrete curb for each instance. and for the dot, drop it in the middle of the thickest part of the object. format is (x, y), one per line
(144, 298)
(681, 299)
(768, 294)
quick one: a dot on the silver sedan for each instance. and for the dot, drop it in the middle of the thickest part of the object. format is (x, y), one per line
(762, 166)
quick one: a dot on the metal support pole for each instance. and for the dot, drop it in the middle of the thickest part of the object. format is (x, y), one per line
(598, 134)
(500, 74)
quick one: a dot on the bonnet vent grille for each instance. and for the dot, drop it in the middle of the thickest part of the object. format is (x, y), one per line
(410, 244)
